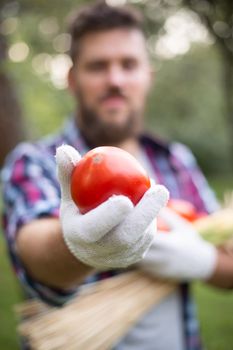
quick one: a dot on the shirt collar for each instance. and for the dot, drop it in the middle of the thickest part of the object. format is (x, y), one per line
(151, 141)
(73, 136)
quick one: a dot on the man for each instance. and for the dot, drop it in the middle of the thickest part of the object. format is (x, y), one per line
(53, 254)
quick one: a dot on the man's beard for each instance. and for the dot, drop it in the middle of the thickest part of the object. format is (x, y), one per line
(99, 132)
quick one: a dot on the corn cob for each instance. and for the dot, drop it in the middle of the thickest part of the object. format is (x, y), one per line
(216, 228)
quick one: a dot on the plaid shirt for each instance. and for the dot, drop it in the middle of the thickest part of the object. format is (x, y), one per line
(31, 190)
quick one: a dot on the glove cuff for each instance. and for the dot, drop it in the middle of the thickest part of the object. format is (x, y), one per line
(74, 252)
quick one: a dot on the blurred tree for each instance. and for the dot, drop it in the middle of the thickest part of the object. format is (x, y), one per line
(217, 15)
(12, 128)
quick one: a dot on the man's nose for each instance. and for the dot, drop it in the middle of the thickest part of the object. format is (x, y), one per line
(116, 76)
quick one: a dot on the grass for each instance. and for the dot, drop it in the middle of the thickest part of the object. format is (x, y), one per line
(10, 294)
(221, 184)
(214, 306)
(215, 315)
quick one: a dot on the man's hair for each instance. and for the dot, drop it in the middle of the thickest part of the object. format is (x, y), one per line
(100, 17)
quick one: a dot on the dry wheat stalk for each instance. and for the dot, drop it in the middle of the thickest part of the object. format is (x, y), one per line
(97, 318)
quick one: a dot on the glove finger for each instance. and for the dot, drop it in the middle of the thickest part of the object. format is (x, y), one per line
(140, 248)
(68, 210)
(174, 242)
(161, 250)
(118, 256)
(144, 213)
(95, 224)
(66, 158)
(149, 237)
(175, 222)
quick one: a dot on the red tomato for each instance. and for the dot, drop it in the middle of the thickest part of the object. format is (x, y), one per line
(183, 208)
(106, 171)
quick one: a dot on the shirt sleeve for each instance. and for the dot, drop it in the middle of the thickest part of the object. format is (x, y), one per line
(30, 191)
(193, 178)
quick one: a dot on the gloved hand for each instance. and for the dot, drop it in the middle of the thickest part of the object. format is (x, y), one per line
(115, 234)
(180, 254)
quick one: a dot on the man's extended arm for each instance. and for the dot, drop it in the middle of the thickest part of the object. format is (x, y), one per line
(223, 273)
(46, 258)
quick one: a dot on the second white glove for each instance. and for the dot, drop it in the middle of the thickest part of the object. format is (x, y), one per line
(180, 254)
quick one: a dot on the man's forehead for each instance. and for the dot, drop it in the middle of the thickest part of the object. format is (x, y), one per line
(114, 42)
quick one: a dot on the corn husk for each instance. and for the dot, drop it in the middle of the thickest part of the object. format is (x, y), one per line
(216, 228)
(103, 312)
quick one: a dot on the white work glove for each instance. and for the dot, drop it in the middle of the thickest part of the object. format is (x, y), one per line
(180, 254)
(115, 234)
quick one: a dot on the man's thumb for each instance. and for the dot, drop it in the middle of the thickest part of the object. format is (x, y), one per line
(66, 158)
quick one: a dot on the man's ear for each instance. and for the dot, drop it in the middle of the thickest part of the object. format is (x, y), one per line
(71, 80)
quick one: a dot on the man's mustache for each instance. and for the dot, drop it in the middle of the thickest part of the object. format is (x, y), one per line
(113, 93)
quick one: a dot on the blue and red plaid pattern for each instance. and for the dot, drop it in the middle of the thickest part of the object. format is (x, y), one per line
(31, 190)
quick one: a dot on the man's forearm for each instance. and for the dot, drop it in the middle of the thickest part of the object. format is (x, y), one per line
(223, 274)
(46, 257)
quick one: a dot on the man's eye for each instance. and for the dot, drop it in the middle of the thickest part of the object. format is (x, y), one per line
(96, 66)
(129, 64)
